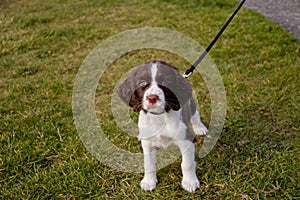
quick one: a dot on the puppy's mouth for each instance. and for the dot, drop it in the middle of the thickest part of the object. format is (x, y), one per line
(154, 105)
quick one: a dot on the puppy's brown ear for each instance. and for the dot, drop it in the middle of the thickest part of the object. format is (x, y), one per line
(171, 99)
(184, 89)
(130, 91)
(136, 100)
(124, 90)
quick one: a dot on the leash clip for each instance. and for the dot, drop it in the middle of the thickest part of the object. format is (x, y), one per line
(186, 75)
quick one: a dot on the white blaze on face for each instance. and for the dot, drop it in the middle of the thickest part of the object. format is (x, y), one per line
(152, 92)
(154, 72)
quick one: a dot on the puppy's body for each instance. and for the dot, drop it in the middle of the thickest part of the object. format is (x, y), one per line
(166, 109)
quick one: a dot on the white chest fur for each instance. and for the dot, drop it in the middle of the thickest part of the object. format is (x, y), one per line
(161, 130)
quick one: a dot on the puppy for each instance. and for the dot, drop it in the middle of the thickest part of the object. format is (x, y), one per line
(166, 109)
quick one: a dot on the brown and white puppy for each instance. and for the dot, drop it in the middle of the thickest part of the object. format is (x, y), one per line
(166, 109)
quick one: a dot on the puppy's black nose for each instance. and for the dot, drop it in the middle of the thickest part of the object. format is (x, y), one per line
(152, 99)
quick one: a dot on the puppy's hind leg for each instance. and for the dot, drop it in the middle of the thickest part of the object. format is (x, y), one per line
(197, 125)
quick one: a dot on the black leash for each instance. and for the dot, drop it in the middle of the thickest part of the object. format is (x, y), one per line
(202, 56)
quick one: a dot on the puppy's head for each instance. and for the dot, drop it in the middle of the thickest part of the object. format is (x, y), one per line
(155, 87)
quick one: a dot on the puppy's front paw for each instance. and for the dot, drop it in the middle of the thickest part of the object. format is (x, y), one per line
(190, 185)
(148, 184)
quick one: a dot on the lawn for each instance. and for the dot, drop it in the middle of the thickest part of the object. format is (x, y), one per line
(42, 46)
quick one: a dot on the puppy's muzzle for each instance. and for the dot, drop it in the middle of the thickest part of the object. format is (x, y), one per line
(152, 99)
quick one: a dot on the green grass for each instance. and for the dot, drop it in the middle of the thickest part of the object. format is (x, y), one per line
(42, 45)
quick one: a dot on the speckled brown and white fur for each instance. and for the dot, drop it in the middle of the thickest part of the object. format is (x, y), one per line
(166, 109)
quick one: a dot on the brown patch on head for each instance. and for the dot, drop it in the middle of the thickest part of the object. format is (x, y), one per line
(169, 77)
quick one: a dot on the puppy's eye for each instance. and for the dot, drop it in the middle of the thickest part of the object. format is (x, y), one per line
(166, 82)
(142, 83)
